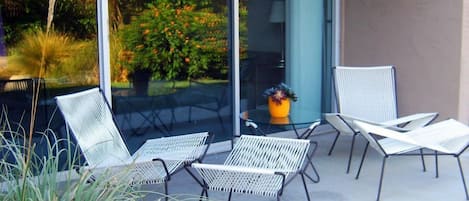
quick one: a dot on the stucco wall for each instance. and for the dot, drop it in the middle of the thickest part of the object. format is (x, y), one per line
(422, 38)
(464, 77)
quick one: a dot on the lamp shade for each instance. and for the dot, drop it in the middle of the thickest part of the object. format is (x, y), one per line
(277, 12)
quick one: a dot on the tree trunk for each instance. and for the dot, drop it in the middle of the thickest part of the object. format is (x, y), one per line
(50, 15)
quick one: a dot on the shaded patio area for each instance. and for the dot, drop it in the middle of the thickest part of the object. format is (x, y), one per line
(404, 179)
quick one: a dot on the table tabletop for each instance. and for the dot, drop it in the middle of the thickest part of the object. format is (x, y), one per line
(296, 117)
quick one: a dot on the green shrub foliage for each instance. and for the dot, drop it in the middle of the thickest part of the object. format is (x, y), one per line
(175, 41)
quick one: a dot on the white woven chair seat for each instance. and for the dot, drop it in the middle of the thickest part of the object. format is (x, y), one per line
(256, 165)
(241, 179)
(149, 172)
(152, 172)
(184, 147)
(273, 153)
(392, 146)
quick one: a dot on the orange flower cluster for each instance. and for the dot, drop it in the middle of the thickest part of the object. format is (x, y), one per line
(126, 55)
(188, 8)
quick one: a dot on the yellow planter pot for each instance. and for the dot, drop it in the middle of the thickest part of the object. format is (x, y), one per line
(279, 110)
(279, 120)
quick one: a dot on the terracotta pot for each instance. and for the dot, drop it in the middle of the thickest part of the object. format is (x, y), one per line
(279, 110)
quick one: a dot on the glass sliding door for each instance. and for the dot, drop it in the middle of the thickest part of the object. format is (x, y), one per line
(170, 70)
(283, 41)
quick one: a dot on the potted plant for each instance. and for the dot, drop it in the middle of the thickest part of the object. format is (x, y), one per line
(279, 97)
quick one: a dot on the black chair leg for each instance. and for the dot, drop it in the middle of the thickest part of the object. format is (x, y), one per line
(314, 180)
(166, 190)
(220, 118)
(436, 165)
(193, 175)
(190, 114)
(333, 143)
(304, 185)
(361, 161)
(204, 192)
(229, 196)
(381, 179)
(423, 160)
(462, 177)
(351, 153)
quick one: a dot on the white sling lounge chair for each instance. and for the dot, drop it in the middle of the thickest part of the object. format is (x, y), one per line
(258, 165)
(448, 137)
(369, 94)
(87, 114)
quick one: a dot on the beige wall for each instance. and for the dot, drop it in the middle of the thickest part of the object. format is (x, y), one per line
(423, 39)
(464, 77)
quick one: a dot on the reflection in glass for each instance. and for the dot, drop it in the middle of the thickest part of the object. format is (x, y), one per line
(170, 69)
(45, 50)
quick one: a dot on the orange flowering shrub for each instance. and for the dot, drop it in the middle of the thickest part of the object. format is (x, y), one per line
(175, 41)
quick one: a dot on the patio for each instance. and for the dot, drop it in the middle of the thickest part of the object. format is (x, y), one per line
(404, 179)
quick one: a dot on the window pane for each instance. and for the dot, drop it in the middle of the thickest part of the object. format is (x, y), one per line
(53, 50)
(282, 41)
(170, 68)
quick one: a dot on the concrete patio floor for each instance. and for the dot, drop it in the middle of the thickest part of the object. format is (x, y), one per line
(404, 179)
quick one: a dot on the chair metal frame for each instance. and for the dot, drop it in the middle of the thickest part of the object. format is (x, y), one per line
(149, 117)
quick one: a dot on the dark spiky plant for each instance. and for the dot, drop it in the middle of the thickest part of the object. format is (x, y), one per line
(280, 92)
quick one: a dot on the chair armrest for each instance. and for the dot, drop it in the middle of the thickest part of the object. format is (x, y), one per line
(366, 127)
(346, 117)
(411, 121)
(449, 136)
(343, 123)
